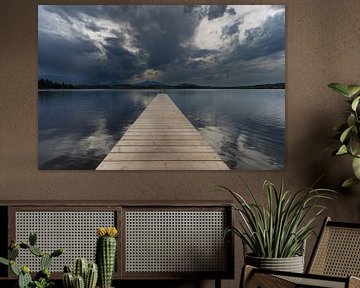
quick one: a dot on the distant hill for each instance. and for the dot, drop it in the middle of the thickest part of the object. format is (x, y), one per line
(49, 84)
(149, 84)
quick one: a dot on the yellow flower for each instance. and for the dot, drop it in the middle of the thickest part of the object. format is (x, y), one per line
(106, 231)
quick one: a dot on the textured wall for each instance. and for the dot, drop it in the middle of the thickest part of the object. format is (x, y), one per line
(322, 46)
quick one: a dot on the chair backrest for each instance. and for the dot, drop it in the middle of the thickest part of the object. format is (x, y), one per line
(337, 251)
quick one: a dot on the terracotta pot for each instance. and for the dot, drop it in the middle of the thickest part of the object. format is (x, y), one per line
(291, 264)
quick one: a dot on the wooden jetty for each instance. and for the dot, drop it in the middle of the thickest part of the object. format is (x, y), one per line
(162, 138)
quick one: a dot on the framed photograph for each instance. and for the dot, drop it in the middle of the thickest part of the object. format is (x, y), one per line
(161, 87)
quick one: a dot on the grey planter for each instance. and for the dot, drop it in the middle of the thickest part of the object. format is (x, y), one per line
(291, 264)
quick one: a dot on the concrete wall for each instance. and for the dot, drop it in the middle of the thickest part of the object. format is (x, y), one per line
(322, 46)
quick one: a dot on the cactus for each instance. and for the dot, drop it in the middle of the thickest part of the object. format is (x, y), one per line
(42, 278)
(36, 251)
(4, 261)
(68, 280)
(13, 253)
(80, 267)
(14, 268)
(57, 253)
(32, 238)
(67, 269)
(24, 277)
(90, 272)
(79, 282)
(91, 276)
(45, 261)
(105, 254)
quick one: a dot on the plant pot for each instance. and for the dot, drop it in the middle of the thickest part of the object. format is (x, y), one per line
(291, 264)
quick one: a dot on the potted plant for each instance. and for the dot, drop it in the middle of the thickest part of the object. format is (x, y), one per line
(276, 233)
(348, 132)
(42, 278)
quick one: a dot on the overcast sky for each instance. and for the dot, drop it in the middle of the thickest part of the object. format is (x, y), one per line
(206, 45)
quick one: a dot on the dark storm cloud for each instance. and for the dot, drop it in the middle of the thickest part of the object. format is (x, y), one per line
(154, 38)
(231, 11)
(92, 26)
(230, 30)
(261, 41)
(52, 58)
(216, 11)
(161, 37)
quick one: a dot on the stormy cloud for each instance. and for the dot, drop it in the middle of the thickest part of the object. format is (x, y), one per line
(206, 45)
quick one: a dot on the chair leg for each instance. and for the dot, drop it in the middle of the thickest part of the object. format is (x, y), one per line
(246, 274)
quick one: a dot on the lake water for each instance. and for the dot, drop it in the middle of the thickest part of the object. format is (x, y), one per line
(77, 128)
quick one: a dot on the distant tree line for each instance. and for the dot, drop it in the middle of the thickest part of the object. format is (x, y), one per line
(48, 84)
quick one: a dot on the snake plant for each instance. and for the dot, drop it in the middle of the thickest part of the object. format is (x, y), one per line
(348, 132)
(279, 228)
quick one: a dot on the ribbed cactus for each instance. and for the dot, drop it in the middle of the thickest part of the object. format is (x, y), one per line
(68, 280)
(91, 276)
(106, 254)
(84, 274)
(80, 267)
(79, 282)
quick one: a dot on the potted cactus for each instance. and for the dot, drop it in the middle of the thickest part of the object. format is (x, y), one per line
(42, 278)
(106, 254)
(84, 275)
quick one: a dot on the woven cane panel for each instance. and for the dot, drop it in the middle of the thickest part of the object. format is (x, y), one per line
(74, 231)
(339, 253)
(308, 282)
(175, 241)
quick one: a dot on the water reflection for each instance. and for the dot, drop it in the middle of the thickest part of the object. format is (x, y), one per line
(245, 127)
(78, 128)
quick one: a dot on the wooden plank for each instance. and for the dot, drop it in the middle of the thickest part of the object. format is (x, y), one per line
(165, 156)
(160, 142)
(161, 149)
(158, 133)
(130, 137)
(162, 165)
(162, 138)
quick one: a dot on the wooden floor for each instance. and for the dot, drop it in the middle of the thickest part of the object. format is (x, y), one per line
(162, 138)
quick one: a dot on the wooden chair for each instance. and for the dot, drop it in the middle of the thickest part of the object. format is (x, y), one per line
(334, 263)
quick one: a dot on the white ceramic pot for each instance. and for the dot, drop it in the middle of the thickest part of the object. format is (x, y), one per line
(291, 264)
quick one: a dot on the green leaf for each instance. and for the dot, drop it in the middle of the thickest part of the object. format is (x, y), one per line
(345, 134)
(351, 120)
(340, 88)
(342, 150)
(349, 182)
(356, 167)
(354, 143)
(355, 103)
(353, 89)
